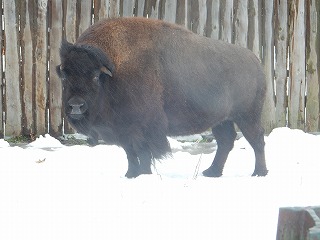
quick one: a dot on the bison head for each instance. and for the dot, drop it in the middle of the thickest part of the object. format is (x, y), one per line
(84, 69)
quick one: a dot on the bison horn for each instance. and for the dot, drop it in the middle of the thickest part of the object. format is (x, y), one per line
(106, 71)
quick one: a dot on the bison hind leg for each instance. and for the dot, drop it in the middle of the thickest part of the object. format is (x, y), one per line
(225, 135)
(254, 133)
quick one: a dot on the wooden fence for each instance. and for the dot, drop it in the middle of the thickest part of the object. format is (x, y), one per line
(284, 34)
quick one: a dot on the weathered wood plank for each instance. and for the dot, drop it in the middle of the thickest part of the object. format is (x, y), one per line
(128, 8)
(41, 66)
(71, 21)
(1, 86)
(12, 71)
(226, 20)
(140, 7)
(181, 17)
(114, 8)
(151, 9)
(281, 46)
(55, 88)
(203, 11)
(254, 27)
(213, 19)
(313, 63)
(85, 16)
(170, 11)
(27, 68)
(241, 23)
(101, 9)
(296, 101)
(1, 80)
(193, 15)
(268, 115)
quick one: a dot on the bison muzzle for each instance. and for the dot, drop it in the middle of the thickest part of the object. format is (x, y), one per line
(135, 81)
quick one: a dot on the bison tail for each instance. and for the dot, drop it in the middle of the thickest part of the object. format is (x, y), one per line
(158, 143)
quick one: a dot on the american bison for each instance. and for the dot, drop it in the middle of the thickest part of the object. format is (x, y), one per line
(135, 81)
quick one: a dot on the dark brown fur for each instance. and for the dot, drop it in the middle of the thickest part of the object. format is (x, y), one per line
(161, 80)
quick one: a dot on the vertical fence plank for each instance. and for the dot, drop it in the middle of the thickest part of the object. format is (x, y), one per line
(140, 8)
(193, 16)
(1, 76)
(213, 19)
(55, 88)
(12, 71)
(313, 63)
(241, 23)
(114, 8)
(226, 20)
(128, 8)
(170, 10)
(281, 45)
(71, 21)
(26, 21)
(101, 9)
(181, 17)
(268, 55)
(202, 17)
(151, 9)
(41, 66)
(296, 101)
(254, 27)
(85, 15)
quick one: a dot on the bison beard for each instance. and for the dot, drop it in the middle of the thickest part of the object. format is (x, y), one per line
(135, 81)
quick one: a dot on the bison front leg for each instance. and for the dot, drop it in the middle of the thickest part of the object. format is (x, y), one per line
(139, 162)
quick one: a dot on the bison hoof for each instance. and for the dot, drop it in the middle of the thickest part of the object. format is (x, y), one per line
(92, 141)
(134, 174)
(260, 173)
(211, 172)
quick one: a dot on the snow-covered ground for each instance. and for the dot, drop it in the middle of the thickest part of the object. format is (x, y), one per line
(51, 191)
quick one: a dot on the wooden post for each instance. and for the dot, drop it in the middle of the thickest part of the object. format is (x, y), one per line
(114, 8)
(181, 17)
(27, 68)
(12, 76)
(101, 9)
(193, 16)
(281, 51)
(226, 20)
(170, 11)
(151, 9)
(296, 101)
(55, 88)
(41, 65)
(202, 17)
(268, 116)
(140, 7)
(128, 8)
(85, 16)
(213, 19)
(313, 63)
(241, 23)
(1, 80)
(254, 27)
(71, 21)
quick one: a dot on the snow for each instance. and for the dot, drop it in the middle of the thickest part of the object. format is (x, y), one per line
(51, 191)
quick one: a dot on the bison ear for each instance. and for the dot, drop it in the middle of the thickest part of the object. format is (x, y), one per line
(106, 71)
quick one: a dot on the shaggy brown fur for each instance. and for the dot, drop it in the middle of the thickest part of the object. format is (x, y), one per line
(134, 81)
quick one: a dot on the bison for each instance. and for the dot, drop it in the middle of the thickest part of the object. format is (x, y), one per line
(135, 81)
